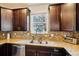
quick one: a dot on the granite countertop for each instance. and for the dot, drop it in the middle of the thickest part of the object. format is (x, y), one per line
(71, 48)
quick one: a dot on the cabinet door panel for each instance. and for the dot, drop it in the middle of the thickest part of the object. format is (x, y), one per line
(23, 19)
(54, 18)
(67, 17)
(77, 17)
(6, 20)
(15, 20)
(20, 19)
(30, 52)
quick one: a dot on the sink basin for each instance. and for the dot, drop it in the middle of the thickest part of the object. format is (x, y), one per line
(29, 42)
(23, 41)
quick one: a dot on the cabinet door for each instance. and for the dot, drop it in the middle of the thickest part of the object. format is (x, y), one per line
(55, 18)
(77, 17)
(15, 20)
(30, 52)
(20, 19)
(67, 17)
(6, 20)
(1, 51)
(23, 19)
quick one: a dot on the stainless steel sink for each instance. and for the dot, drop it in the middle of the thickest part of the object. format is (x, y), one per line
(29, 42)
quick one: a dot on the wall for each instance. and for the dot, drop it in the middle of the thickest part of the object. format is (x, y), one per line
(38, 8)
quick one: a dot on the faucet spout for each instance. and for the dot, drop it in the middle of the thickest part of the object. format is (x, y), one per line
(40, 39)
(32, 39)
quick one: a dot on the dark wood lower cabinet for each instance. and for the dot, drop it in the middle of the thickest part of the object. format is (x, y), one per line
(45, 51)
(7, 49)
(30, 50)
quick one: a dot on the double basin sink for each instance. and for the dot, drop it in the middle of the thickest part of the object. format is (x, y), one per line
(35, 42)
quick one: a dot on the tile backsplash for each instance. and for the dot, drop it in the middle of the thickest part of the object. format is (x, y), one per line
(28, 35)
(20, 34)
(2, 35)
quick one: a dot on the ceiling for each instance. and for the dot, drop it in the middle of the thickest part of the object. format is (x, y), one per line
(19, 5)
(13, 5)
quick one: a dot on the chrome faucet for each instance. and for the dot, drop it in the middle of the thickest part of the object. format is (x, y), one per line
(32, 41)
(33, 38)
(40, 40)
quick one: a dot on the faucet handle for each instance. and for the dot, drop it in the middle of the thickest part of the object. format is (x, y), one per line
(31, 41)
(46, 42)
(40, 42)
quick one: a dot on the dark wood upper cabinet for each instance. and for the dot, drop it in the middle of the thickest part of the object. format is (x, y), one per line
(14, 19)
(77, 17)
(20, 19)
(63, 17)
(54, 12)
(68, 17)
(5, 19)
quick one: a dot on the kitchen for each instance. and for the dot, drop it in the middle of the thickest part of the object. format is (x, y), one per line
(40, 29)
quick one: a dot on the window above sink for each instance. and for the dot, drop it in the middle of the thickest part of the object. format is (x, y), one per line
(39, 23)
